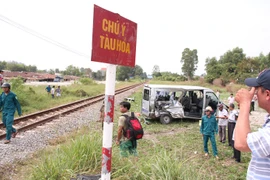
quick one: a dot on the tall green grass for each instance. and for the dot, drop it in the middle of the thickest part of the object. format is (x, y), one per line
(79, 155)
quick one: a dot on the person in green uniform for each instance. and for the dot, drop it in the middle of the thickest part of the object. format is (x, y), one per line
(209, 128)
(9, 104)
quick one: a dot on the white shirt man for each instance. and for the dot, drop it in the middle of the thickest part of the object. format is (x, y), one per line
(222, 123)
(231, 99)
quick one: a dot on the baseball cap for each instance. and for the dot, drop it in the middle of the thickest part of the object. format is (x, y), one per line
(220, 105)
(208, 108)
(261, 80)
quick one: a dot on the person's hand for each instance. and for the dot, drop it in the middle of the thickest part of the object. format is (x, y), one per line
(244, 96)
(117, 142)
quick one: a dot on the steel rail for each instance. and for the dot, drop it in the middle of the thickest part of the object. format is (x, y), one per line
(46, 116)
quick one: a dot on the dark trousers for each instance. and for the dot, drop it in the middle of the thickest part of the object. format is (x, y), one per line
(236, 154)
(252, 107)
(231, 127)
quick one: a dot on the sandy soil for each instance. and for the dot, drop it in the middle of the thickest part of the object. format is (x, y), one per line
(257, 118)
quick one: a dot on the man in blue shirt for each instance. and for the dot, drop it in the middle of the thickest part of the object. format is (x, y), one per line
(258, 143)
(48, 89)
(8, 104)
(209, 128)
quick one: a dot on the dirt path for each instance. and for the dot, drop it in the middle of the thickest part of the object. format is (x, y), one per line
(257, 118)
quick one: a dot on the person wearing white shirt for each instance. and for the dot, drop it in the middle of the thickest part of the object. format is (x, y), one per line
(222, 123)
(236, 153)
(231, 99)
(53, 91)
(231, 123)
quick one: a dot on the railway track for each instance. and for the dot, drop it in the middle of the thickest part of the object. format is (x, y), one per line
(36, 119)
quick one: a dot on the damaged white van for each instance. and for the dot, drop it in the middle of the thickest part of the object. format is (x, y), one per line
(168, 102)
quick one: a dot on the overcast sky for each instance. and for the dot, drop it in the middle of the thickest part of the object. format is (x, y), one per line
(165, 29)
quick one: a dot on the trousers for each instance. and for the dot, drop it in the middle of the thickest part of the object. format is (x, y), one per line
(231, 127)
(8, 119)
(222, 133)
(252, 106)
(236, 153)
(128, 147)
(213, 142)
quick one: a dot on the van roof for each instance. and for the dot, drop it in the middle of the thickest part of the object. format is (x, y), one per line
(176, 87)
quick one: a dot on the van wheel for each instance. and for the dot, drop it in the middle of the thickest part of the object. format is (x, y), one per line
(165, 119)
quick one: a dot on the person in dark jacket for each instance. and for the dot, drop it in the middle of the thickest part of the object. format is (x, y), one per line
(9, 104)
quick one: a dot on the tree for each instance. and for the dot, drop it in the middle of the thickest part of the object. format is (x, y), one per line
(156, 71)
(31, 68)
(57, 70)
(88, 72)
(99, 75)
(190, 61)
(72, 70)
(51, 71)
(264, 61)
(138, 71)
(3, 65)
(144, 75)
(82, 70)
(230, 62)
(213, 69)
(15, 66)
(235, 66)
(123, 73)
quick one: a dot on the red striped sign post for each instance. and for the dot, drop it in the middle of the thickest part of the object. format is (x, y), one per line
(113, 42)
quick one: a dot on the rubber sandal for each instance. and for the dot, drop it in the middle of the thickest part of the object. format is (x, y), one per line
(14, 134)
(7, 141)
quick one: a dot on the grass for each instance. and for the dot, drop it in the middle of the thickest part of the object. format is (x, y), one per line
(35, 98)
(169, 152)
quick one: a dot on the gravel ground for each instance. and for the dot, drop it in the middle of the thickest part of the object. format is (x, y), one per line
(257, 118)
(26, 143)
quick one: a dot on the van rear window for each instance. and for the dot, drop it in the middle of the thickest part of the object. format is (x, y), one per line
(146, 94)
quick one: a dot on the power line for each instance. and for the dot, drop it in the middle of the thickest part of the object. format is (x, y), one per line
(38, 35)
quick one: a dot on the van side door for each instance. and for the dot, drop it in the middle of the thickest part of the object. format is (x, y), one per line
(146, 101)
(211, 100)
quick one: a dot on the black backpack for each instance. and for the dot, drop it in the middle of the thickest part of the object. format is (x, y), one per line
(133, 129)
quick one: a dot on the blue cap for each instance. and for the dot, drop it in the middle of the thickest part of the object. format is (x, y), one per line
(262, 80)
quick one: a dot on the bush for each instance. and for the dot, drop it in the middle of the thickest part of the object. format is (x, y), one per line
(16, 83)
(80, 93)
(87, 81)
